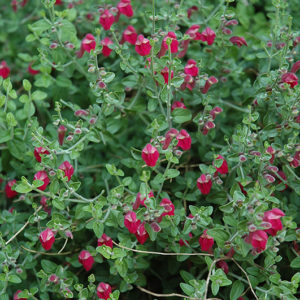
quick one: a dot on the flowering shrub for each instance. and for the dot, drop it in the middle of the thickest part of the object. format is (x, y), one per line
(149, 148)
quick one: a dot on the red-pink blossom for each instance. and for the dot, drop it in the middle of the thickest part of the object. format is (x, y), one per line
(223, 169)
(169, 137)
(173, 46)
(184, 242)
(88, 43)
(295, 67)
(106, 19)
(258, 239)
(61, 134)
(238, 41)
(177, 104)
(141, 233)
(4, 70)
(16, 297)
(142, 46)
(204, 184)
(290, 78)
(47, 239)
(273, 217)
(223, 265)
(165, 73)
(139, 201)
(8, 191)
(129, 35)
(208, 35)
(67, 168)
(103, 290)
(131, 222)
(86, 259)
(31, 70)
(46, 208)
(209, 82)
(189, 82)
(206, 241)
(150, 155)
(105, 49)
(42, 175)
(125, 8)
(168, 206)
(38, 151)
(184, 140)
(105, 240)
(191, 10)
(191, 68)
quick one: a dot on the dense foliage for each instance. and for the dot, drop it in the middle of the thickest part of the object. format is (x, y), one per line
(149, 149)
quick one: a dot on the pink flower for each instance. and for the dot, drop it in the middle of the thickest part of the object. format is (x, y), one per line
(194, 33)
(211, 80)
(189, 82)
(238, 40)
(67, 168)
(8, 191)
(81, 112)
(103, 290)
(206, 241)
(16, 297)
(169, 137)
(32, 71)
(105, 240)
(141, 233)
(105, 49)
(191, 68)
(150, 155)
(142, 46)
(208, 35)
(139, 201)
(125, 8)
(61, 134)
(86, 259)
(58, 2)
(129, 35)
(4, 70)
(46, 208)
(290, 78)
(88, 43)
(168, 206)
(258, 240)
(173, 46)
(215, 111)
(273, 217)
(184, 140)
(223, 265)
(38, 151)
(183, 243)
(131, 222)
(204, 184)
(106, 19)
(223, 169)
(47, 239)
(191, 10)
(165, 73)
(177, 104)
(42, 175)
(295, 67)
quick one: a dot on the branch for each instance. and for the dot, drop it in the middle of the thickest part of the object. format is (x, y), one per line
(171, 295)
(50, 254)
(23, 227)
(161, 253)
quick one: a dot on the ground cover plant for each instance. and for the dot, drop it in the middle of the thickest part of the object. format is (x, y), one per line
(149, 149)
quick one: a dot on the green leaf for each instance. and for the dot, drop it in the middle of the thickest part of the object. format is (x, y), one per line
(181, 115)
(14, 279)
(23, 188)
(187, 289)
(296, 263)
(27, 85)
(172, 173)
(39, 95)
(236, 290)
(98, 228)
(48, 266)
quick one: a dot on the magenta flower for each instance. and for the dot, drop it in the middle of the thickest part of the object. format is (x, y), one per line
(150, 155)
(86, 259)
(206, 241)
(47, 239)
(204, 184)
(142, 46)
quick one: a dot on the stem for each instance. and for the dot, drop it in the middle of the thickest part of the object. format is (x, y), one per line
(169, 118)
(161, 186)
(234, 106)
